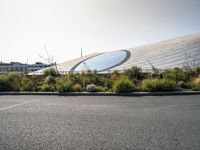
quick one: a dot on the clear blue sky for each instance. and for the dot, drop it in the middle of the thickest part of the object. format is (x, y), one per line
(66, 26)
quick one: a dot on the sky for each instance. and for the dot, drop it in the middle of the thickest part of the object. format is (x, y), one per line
(66, 26)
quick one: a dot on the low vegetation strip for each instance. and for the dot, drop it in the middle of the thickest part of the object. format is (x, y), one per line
(131, 80)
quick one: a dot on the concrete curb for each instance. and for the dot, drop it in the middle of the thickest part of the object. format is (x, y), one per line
(104, 93)
(29, 93)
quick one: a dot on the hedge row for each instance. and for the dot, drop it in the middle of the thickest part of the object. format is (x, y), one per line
(131, 80)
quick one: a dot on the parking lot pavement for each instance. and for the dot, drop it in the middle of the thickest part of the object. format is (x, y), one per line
(102, 122)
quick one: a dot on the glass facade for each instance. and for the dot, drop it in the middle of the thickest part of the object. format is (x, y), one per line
(102, 61)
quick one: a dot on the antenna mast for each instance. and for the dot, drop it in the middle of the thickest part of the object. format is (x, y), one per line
(81, 52)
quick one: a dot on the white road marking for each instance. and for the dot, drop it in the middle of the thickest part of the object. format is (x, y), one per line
(15, 105)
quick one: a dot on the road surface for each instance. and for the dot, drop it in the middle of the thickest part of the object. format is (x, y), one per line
(118, 123)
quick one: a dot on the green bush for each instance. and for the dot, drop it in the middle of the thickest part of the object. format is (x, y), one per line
(190, 72)
(35, 82)
(110, 78)
(50, 72)
(101, 89)
(134, 73)
(45, 87)
(77, 88)
(10, 82)
(198, 70)
(115, 75)
(84, 79)
(108, 83)
(73, 77)
(196, 84)
(95, 78)
(50, 79)
(15, 81)
(175, 74)
(151, 85)
(155, 72)
(5, 84)
(27, 84)
(64, 85)
(123, 85)
(91, 88)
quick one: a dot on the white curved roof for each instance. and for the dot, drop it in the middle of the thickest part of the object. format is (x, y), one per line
(165, 54)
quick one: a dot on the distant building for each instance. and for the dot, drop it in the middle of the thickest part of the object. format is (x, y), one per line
(13, 67)
(22, 68)
(37, 66)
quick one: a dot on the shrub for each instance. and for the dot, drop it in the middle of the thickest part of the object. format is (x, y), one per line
(108, 83)
(10, 82)
(50, 72)
(15, 81)
(26, 84)
(91, 88)
(5, 84)
(158, 85)
(196, 83)
(77, 88)
(74, 78)
(198, 70)
(50, 79)
(110, 78)
(95, 78)
(84, 79)
(64, 85)
(190, 72)
(123, 85)
(154, 72)
(45, 87)
(153, 75)
(115, 75)
(175, 74)
(101, 89)
(182, 84)
(35, 82)
(134, 73)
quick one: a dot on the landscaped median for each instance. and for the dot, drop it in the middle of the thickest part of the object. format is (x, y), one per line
(131, 82)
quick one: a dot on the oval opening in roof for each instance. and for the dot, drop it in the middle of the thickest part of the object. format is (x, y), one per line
(102, 61)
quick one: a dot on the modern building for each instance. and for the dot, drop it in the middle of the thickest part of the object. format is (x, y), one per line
(171, 53)
(22, 68)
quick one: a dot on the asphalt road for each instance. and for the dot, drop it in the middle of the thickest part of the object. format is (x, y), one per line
(118, 123)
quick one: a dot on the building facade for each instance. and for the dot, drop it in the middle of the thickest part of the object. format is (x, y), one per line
(13, 67)
(22, 68)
